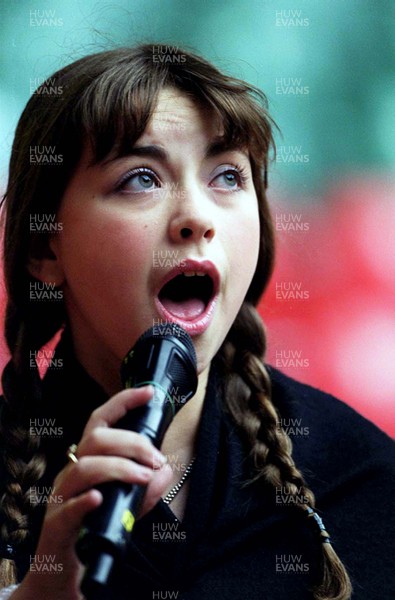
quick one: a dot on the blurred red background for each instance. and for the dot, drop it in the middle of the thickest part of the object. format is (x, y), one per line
(342, 326)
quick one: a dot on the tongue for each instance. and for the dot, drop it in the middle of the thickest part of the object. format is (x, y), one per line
(187, 309)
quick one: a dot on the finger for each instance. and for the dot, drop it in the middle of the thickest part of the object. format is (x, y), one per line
(119, 442)
(93, 470)
(156, 488)
(114, 409)
(65, 523)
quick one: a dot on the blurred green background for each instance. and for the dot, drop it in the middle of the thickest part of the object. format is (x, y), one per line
(339, 53)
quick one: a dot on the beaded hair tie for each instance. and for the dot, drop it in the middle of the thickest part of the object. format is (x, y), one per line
(325, 538)
(7, 551)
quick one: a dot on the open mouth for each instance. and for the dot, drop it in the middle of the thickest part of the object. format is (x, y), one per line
(187, 295)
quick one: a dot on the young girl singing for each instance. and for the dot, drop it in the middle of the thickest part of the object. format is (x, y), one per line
(137, 196)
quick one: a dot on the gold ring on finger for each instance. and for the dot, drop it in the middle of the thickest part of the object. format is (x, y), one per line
(71, 453)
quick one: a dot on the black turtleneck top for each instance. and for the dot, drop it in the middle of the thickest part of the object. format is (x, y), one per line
(245, 542)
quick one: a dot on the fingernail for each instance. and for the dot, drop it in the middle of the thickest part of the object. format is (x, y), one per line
(146, 473)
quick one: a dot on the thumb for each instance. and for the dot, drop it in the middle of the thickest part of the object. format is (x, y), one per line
(160, 481)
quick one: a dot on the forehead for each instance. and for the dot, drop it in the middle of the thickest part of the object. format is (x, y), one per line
(177, 112)
(175, 116)
(177, 119)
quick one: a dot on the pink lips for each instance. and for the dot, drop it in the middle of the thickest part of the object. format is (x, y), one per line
(195, 321)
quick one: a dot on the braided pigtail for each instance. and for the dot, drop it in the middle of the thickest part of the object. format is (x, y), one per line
(26, 331)
(22, 461)
(33, 190)
(248, 399)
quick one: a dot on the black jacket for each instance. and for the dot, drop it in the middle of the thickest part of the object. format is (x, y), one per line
(247, 542)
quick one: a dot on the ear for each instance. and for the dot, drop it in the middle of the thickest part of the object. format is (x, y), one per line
(44, 263)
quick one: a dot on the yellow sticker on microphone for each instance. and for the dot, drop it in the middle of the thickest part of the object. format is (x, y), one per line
(128, 520)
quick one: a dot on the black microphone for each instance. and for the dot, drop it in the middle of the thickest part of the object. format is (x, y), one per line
(165, 358)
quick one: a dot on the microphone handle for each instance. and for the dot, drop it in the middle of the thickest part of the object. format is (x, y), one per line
(107, 530)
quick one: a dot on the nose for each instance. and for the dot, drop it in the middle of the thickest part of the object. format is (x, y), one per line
(193, 220)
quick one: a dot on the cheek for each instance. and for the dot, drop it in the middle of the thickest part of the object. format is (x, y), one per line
(103, 249)
(119, 243)
(244, 248)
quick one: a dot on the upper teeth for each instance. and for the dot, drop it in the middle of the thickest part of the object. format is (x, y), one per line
(192, 273)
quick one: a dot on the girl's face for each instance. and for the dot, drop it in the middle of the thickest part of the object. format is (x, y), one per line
(167, 233)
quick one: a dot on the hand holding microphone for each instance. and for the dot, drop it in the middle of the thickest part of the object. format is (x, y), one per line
(167, 362)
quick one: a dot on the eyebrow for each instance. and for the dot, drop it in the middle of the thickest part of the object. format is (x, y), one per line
(220, 146)
(215, 147)
(149, 151)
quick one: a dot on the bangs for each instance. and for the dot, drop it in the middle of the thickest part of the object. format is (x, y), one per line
(115, 108)
(245, 122)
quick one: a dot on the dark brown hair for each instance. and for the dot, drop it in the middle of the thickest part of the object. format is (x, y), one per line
(108, 99)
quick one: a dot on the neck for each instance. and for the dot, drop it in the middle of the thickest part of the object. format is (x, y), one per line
(102, 366)
(179, 442)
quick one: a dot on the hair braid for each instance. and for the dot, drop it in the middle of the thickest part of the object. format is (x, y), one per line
(248, 399)
(22, 460)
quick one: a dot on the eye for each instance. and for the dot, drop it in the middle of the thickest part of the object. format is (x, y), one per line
(230, 179)
(138, 180)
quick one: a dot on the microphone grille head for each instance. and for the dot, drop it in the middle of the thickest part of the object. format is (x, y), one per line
(165, 355)
(167, 330)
